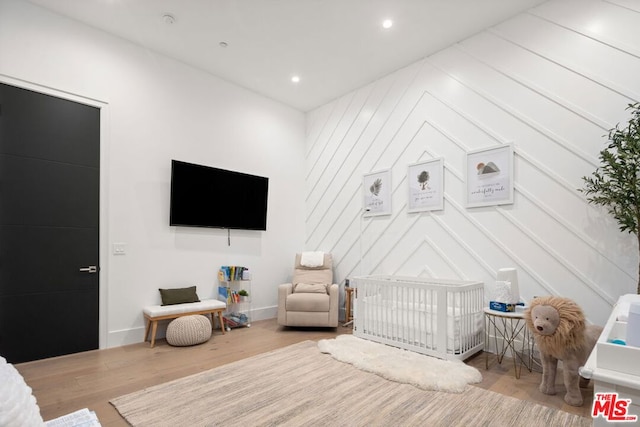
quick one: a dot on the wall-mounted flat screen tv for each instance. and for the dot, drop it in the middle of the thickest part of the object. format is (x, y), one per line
(203, 196)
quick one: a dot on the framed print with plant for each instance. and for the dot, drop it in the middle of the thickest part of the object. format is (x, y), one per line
(425, 182)
(489, 176)
(376, 188)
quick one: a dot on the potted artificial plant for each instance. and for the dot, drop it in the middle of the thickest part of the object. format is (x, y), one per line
(244, 295)
(615, 184)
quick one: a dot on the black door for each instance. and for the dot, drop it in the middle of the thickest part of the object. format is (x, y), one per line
(49, 225)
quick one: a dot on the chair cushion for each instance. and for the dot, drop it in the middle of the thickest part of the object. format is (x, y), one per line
(166, 310)
(311, 288)
(188, 330)
(312, 276)
(179, 295)
(308, 302)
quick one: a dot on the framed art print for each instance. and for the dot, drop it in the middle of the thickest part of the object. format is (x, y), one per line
(376, 188)
(425, 182)
(489, 176)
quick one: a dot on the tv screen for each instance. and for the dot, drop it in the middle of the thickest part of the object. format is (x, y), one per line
(203, 196)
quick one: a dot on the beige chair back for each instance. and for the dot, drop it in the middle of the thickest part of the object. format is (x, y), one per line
(314, 275)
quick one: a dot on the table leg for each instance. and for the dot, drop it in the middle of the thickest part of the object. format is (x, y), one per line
(509, 329)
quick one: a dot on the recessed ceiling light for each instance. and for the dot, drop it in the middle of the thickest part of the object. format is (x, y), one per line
(387, 23)
(168, 18)
(295, 79)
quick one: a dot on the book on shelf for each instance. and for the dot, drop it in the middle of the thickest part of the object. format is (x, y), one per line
(229, 273)
(230, 296)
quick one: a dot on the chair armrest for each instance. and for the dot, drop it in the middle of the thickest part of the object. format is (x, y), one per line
(334, 290)
(334, 294)
(283, 290)
(334, 300)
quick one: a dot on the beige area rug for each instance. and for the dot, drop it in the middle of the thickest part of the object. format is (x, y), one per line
(300, 386)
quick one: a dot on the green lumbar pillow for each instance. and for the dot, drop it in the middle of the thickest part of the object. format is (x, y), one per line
(179, 295)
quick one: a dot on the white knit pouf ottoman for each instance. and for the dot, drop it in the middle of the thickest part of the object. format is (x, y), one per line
(189, 330)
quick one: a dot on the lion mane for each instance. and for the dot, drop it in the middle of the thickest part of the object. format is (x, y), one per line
(569, 335)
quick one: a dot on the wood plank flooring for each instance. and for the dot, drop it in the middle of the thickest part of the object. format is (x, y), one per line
(89, 380)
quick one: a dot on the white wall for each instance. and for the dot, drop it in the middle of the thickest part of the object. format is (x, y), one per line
(552, 81)
(157, 109)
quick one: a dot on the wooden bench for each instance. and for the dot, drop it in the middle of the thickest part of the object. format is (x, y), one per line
(154, 313)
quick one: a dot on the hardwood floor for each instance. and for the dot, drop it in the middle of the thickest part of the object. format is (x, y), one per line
(501, 379)
(89, 380)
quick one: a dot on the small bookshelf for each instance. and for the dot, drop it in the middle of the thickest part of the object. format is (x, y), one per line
(234, 288)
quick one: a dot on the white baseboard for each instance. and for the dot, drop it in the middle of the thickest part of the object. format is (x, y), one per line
(128, 336)
(264, 313)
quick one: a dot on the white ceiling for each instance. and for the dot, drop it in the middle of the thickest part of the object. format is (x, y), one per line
(335, 46)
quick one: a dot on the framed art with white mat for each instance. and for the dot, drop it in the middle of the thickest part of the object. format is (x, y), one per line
(425, 185)
(489, 176)
(376, 189)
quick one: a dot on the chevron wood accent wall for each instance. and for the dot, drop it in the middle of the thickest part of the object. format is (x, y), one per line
(552, 82)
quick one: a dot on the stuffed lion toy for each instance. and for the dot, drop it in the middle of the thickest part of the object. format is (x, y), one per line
(559, 330)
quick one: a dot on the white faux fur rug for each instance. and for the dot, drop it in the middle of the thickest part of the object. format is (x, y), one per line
(403, 366)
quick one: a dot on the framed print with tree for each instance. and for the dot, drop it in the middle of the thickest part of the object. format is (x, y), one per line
(425, 182)
(489, 176)
(376, 188)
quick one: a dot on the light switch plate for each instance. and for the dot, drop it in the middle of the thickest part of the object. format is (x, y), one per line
(119, 248)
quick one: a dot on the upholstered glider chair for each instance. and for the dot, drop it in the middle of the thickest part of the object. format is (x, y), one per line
(311, 299)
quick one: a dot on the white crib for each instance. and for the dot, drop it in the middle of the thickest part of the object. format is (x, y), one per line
(441, 318)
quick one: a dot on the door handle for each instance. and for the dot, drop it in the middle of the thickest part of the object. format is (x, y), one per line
(90, 269)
